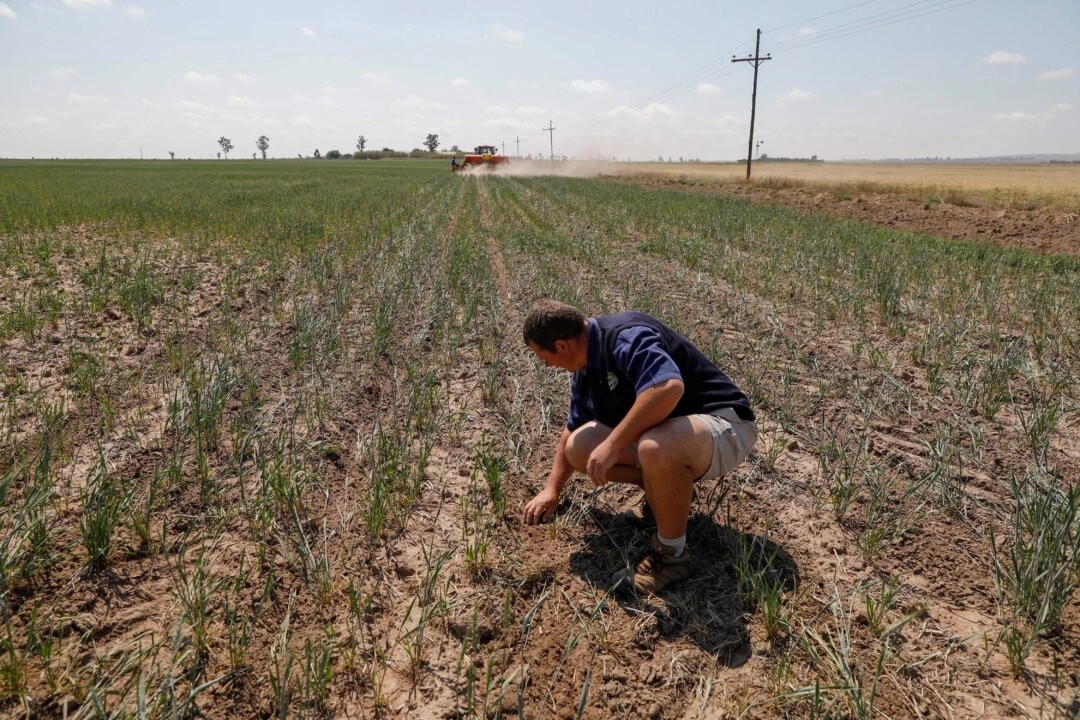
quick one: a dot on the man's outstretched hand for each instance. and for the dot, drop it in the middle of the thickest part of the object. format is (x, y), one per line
(542, 507)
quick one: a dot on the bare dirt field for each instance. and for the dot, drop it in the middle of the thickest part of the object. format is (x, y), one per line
(1032, 207)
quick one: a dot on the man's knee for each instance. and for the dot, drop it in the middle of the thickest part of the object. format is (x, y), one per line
(583, 441)
(650, 449)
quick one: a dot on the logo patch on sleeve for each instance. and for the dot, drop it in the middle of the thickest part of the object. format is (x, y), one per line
(612, 381)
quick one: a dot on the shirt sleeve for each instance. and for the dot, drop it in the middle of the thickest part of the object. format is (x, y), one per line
(639, 354)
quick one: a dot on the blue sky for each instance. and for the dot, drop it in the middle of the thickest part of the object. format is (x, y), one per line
(848, 79)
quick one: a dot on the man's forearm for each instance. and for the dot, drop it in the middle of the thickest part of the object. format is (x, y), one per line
(561, 469)
(649, 409)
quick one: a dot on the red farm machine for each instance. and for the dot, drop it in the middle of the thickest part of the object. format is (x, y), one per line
(483, 156)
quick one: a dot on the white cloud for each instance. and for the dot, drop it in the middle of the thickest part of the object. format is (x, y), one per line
(1022, 117)
(192, 109)
(504, 33)
(242, 77)
(799, 95)
(653, 109)
(83, 4)
(416, 103)
(63, 73)
(460, 82)
(105, 126)
(242, 101)
(305, 121)
(308, 32)
(135, 11)
(806, 32)
(707, 89)
(1058, 74)
(87, 99)
(872, 94)
(495, 110)
(372, 78)
(46, 9)
(7, 12)
(1015, 117)
(650, 110)
(36, 120)
(264, 121)
(1004, 58)
(195, 76)
(589, 86)
(320, 101)
(331, 90)
(530, 110)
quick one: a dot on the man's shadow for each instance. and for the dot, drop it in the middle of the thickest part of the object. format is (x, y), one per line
(735, 573)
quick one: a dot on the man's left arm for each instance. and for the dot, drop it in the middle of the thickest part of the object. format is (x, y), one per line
(651, 407)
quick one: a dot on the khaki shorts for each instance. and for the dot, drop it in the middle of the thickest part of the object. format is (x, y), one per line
(733, 439)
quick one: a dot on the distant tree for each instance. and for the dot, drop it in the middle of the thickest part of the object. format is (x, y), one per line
(317, 154)
(333, 155)
(455, 149)
(219, 156)
(431, 142)
(226, 145)
(172, 155)
(254, 156)
(361, 143)
(263, 143)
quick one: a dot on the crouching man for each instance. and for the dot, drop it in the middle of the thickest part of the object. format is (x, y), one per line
(646, 408)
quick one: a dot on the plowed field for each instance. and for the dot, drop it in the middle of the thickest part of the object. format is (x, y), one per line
(269, 428)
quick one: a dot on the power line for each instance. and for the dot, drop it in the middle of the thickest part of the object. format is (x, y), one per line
(711, 70)
(870, 22)
(705, 72)
(908, 12)
(818, 17)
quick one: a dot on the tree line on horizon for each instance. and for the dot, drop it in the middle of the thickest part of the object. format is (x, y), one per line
(431, 142)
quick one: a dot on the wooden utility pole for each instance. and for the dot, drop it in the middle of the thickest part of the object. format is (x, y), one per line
(551, 129)
(756, 59)
(518, 141)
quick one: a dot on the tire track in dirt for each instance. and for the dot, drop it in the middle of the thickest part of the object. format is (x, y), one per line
(468, 633)
(498, 266)
(566, 565)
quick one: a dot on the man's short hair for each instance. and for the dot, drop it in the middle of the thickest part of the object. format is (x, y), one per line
(551, 320)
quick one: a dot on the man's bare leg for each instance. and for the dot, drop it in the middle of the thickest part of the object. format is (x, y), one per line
(673, 455)
(669, 458)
